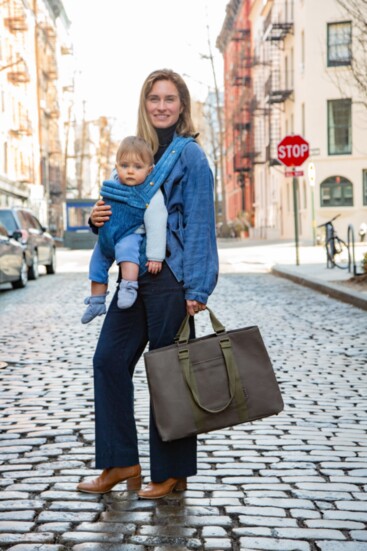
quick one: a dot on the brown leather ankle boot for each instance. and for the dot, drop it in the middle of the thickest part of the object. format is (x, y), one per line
(110, 477)
(156, 490)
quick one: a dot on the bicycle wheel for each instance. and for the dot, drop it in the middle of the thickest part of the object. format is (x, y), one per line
(337, 252)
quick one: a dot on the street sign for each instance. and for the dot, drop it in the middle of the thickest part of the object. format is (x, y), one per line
(311, 172)
(293, 173)
(293, 151)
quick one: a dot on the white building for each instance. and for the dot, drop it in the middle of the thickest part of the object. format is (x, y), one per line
(304, 52)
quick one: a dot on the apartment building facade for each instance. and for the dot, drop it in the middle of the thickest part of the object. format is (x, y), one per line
(34, 43)
(302, 55)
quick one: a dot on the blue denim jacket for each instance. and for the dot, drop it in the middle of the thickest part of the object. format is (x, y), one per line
(191, 241)
(192, 253)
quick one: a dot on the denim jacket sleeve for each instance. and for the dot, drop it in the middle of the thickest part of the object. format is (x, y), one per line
(200, 255)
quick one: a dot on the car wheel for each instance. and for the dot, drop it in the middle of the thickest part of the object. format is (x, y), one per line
(23, 280)
(33, 271)
(51, 268)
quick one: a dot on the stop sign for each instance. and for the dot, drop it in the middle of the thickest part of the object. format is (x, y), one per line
(293, 151)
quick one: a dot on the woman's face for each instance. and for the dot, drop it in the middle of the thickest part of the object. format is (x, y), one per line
(163, 104)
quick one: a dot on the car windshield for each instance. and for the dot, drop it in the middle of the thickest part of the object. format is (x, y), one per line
(7, 219)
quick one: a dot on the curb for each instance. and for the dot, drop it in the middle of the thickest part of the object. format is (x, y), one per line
(350, 297)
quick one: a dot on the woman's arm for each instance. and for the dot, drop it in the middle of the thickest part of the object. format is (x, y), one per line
(200, 255)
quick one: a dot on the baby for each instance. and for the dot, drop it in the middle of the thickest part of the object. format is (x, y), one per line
(120, 238)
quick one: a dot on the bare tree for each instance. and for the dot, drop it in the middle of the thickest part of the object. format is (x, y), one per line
(356, 11)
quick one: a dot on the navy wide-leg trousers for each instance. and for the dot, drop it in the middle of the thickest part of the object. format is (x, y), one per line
(155, 317)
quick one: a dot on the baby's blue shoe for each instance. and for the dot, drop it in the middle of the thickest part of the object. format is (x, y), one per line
(96, 307)
(128, 291)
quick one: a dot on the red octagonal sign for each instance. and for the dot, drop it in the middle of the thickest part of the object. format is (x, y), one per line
(293, 151)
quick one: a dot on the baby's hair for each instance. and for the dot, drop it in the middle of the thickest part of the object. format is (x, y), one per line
(132, 146)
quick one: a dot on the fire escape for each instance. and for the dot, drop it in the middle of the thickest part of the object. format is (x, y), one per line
(16, 22)
(18, 75)
(50, 111)
(279, 81)
(243, 150)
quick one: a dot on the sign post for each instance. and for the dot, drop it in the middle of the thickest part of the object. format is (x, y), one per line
(311, 181)
(293, 152)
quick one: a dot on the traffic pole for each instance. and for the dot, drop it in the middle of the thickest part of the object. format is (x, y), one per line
(313, 217)
(292, 152)
(312, 180)
(295, 208)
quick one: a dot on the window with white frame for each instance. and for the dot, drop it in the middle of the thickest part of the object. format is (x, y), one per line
(339, 44)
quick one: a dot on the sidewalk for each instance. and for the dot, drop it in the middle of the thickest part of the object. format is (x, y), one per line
(279, 257)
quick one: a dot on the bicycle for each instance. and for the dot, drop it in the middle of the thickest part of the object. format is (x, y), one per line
(337, 251)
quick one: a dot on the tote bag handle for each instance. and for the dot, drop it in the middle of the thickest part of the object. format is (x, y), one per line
(183, 333)
(233, 377)
(234, 388)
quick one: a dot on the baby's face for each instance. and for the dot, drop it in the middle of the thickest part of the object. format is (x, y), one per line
(132, 171)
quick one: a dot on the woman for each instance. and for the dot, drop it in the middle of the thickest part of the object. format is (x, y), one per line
(188, 277)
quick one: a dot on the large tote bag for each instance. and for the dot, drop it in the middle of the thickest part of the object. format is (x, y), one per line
(212, 382)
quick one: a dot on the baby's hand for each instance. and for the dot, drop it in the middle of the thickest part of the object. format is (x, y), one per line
(153, 266)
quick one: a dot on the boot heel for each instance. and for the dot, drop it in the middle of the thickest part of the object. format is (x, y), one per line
(133, 483)
(181, 485)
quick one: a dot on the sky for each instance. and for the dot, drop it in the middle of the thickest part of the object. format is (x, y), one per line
(117, 43)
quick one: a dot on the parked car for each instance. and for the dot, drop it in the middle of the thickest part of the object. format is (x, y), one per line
(39, 245)
(13, 266)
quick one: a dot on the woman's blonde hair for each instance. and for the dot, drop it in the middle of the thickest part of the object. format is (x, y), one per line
(135, 147)
(185, 126)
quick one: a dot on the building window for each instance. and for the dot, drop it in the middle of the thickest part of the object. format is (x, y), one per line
(339, 44)
(336, 191)
(365, 187)
(340, 127)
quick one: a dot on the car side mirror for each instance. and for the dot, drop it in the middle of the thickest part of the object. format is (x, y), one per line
(17, 234)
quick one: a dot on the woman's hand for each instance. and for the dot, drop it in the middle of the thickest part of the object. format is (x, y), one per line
(194, 306)
(100, 213)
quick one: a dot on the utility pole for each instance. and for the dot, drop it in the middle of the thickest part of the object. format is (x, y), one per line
(38, 87)
(220, 125)
(214, 145)
(66, 156)
(82, 153)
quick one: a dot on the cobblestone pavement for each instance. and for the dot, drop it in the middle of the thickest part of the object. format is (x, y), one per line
(296, 481)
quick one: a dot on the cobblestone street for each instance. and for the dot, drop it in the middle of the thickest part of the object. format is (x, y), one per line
(292, 482)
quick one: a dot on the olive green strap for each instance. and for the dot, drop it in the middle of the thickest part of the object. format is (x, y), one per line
(239, 395)
(234, 383)
(183, 333)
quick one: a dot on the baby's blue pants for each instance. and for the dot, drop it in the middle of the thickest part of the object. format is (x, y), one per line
(126, 250)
